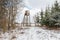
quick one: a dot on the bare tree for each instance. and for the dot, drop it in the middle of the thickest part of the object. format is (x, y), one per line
(8, 11)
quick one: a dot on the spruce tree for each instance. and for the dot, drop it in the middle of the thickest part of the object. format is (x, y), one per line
(54, 16)
(56, 6)
(41, 14)
(42, 18)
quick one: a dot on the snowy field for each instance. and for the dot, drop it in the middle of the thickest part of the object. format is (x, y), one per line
(31, 33)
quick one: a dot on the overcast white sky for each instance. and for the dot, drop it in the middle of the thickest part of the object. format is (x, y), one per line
(39, 4)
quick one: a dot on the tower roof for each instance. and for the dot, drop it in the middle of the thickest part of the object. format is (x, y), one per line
(27, 13)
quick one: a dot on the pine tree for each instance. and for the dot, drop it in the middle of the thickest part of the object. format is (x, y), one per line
(54, 16)
(41, 14)
(56, 6)
(42, 18)
(46, 13)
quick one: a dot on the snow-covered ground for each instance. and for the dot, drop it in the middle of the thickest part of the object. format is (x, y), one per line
(31, 33)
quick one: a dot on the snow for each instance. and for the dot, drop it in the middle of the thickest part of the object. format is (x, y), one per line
(31, 33)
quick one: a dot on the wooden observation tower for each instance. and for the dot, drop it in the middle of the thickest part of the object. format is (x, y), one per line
(26, 19)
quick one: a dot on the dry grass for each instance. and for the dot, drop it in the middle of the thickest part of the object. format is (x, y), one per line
(50, 28)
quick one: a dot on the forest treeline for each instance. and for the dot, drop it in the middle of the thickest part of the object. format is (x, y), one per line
(50, 17)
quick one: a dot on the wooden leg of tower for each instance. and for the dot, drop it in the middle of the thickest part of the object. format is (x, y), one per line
(35, 24)
(29, 21)
(23, 21)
